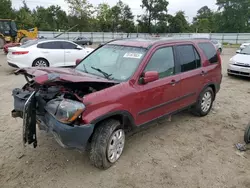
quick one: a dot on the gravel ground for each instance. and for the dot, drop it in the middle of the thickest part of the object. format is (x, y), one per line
(188, 152)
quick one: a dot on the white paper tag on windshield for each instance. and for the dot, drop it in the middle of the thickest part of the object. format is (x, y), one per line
(133, 55)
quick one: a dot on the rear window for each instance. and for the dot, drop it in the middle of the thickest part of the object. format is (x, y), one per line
(210, 51)
(29, 43)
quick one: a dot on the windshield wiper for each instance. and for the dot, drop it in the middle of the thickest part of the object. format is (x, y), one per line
(106, 75)
(85, 68)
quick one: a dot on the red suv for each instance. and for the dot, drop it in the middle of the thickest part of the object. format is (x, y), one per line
(122, 85)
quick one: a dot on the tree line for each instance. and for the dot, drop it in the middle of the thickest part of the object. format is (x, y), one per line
(231, 16)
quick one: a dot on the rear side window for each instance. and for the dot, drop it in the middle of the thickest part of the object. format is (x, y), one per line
(210, 51)
(189, 58)
(50, 45)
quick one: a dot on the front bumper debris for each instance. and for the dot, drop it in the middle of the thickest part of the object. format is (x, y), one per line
(27, 106)
(72, 137)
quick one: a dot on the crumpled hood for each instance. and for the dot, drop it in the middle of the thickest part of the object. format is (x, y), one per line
(49, 75)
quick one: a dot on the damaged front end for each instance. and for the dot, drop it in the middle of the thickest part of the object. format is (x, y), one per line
(56, 105)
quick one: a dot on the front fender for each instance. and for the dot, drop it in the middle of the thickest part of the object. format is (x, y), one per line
(105, 112)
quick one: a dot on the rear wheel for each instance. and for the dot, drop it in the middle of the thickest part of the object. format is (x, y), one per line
(204, 103)
(2, 42)
(107, 144)
(40, 63)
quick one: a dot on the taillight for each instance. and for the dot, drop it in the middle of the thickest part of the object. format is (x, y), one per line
(20, 53)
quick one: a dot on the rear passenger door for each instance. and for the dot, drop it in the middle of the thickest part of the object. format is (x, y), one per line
(191, 73)
(53, 52)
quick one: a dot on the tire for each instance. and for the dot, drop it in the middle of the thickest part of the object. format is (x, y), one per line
(204, 102)
(247, 135)
(2, 42)
(40, 61)
(103, 138)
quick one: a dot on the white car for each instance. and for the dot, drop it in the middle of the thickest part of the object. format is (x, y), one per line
(242, 46)
(218, 45)
(240, 63)
(46, 53)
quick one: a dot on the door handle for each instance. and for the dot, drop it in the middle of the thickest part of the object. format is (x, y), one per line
(203, 73)
(67, 52)
(173, 82)
(45, 52)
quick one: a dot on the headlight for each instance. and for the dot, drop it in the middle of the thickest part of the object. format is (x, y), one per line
(65, 110)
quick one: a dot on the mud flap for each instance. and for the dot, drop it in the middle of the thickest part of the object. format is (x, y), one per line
(29, 121)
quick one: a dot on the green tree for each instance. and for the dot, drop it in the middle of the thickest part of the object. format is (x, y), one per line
(127, 22)
(204, 21)
(81, 13)
(104, 17)
(6, 11)
(24, 17)
(155, 9)
(235, 15)
(178, 23)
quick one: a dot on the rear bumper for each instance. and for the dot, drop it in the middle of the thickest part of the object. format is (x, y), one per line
(238, 70)
(12, 65)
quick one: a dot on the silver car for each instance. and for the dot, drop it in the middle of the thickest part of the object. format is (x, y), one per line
(240, 63)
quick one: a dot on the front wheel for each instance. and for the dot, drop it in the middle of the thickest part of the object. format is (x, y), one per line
(107, 144)
(204, 102)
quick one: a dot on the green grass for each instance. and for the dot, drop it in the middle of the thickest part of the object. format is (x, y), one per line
(227, 45)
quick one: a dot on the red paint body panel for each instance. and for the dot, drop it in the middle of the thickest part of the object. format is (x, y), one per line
(8, 45)
(144, 102)
(45, 75)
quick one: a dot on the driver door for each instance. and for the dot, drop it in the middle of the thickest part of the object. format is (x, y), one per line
(160, 97)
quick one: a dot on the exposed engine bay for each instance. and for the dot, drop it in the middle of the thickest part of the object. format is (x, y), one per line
(59, 100)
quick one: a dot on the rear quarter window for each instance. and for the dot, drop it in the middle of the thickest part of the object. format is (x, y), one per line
(209, 51)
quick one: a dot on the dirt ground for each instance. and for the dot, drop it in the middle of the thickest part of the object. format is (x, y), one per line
(188, 152)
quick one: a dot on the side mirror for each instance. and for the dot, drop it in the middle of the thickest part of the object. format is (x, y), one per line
(149, 76)
(238, 51)
(78, 61)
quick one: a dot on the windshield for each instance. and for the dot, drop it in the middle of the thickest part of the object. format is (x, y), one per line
(113, 62)
(29, 43)
(13, 26)
(246, 50)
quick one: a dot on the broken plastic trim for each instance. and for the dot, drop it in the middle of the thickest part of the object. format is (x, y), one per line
(29, 121)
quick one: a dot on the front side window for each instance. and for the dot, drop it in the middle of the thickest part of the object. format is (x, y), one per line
(162, 61)
(68, 45)
(113, 62)
(189, 58)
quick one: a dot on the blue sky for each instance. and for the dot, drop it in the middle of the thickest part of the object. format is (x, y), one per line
(189, 6)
